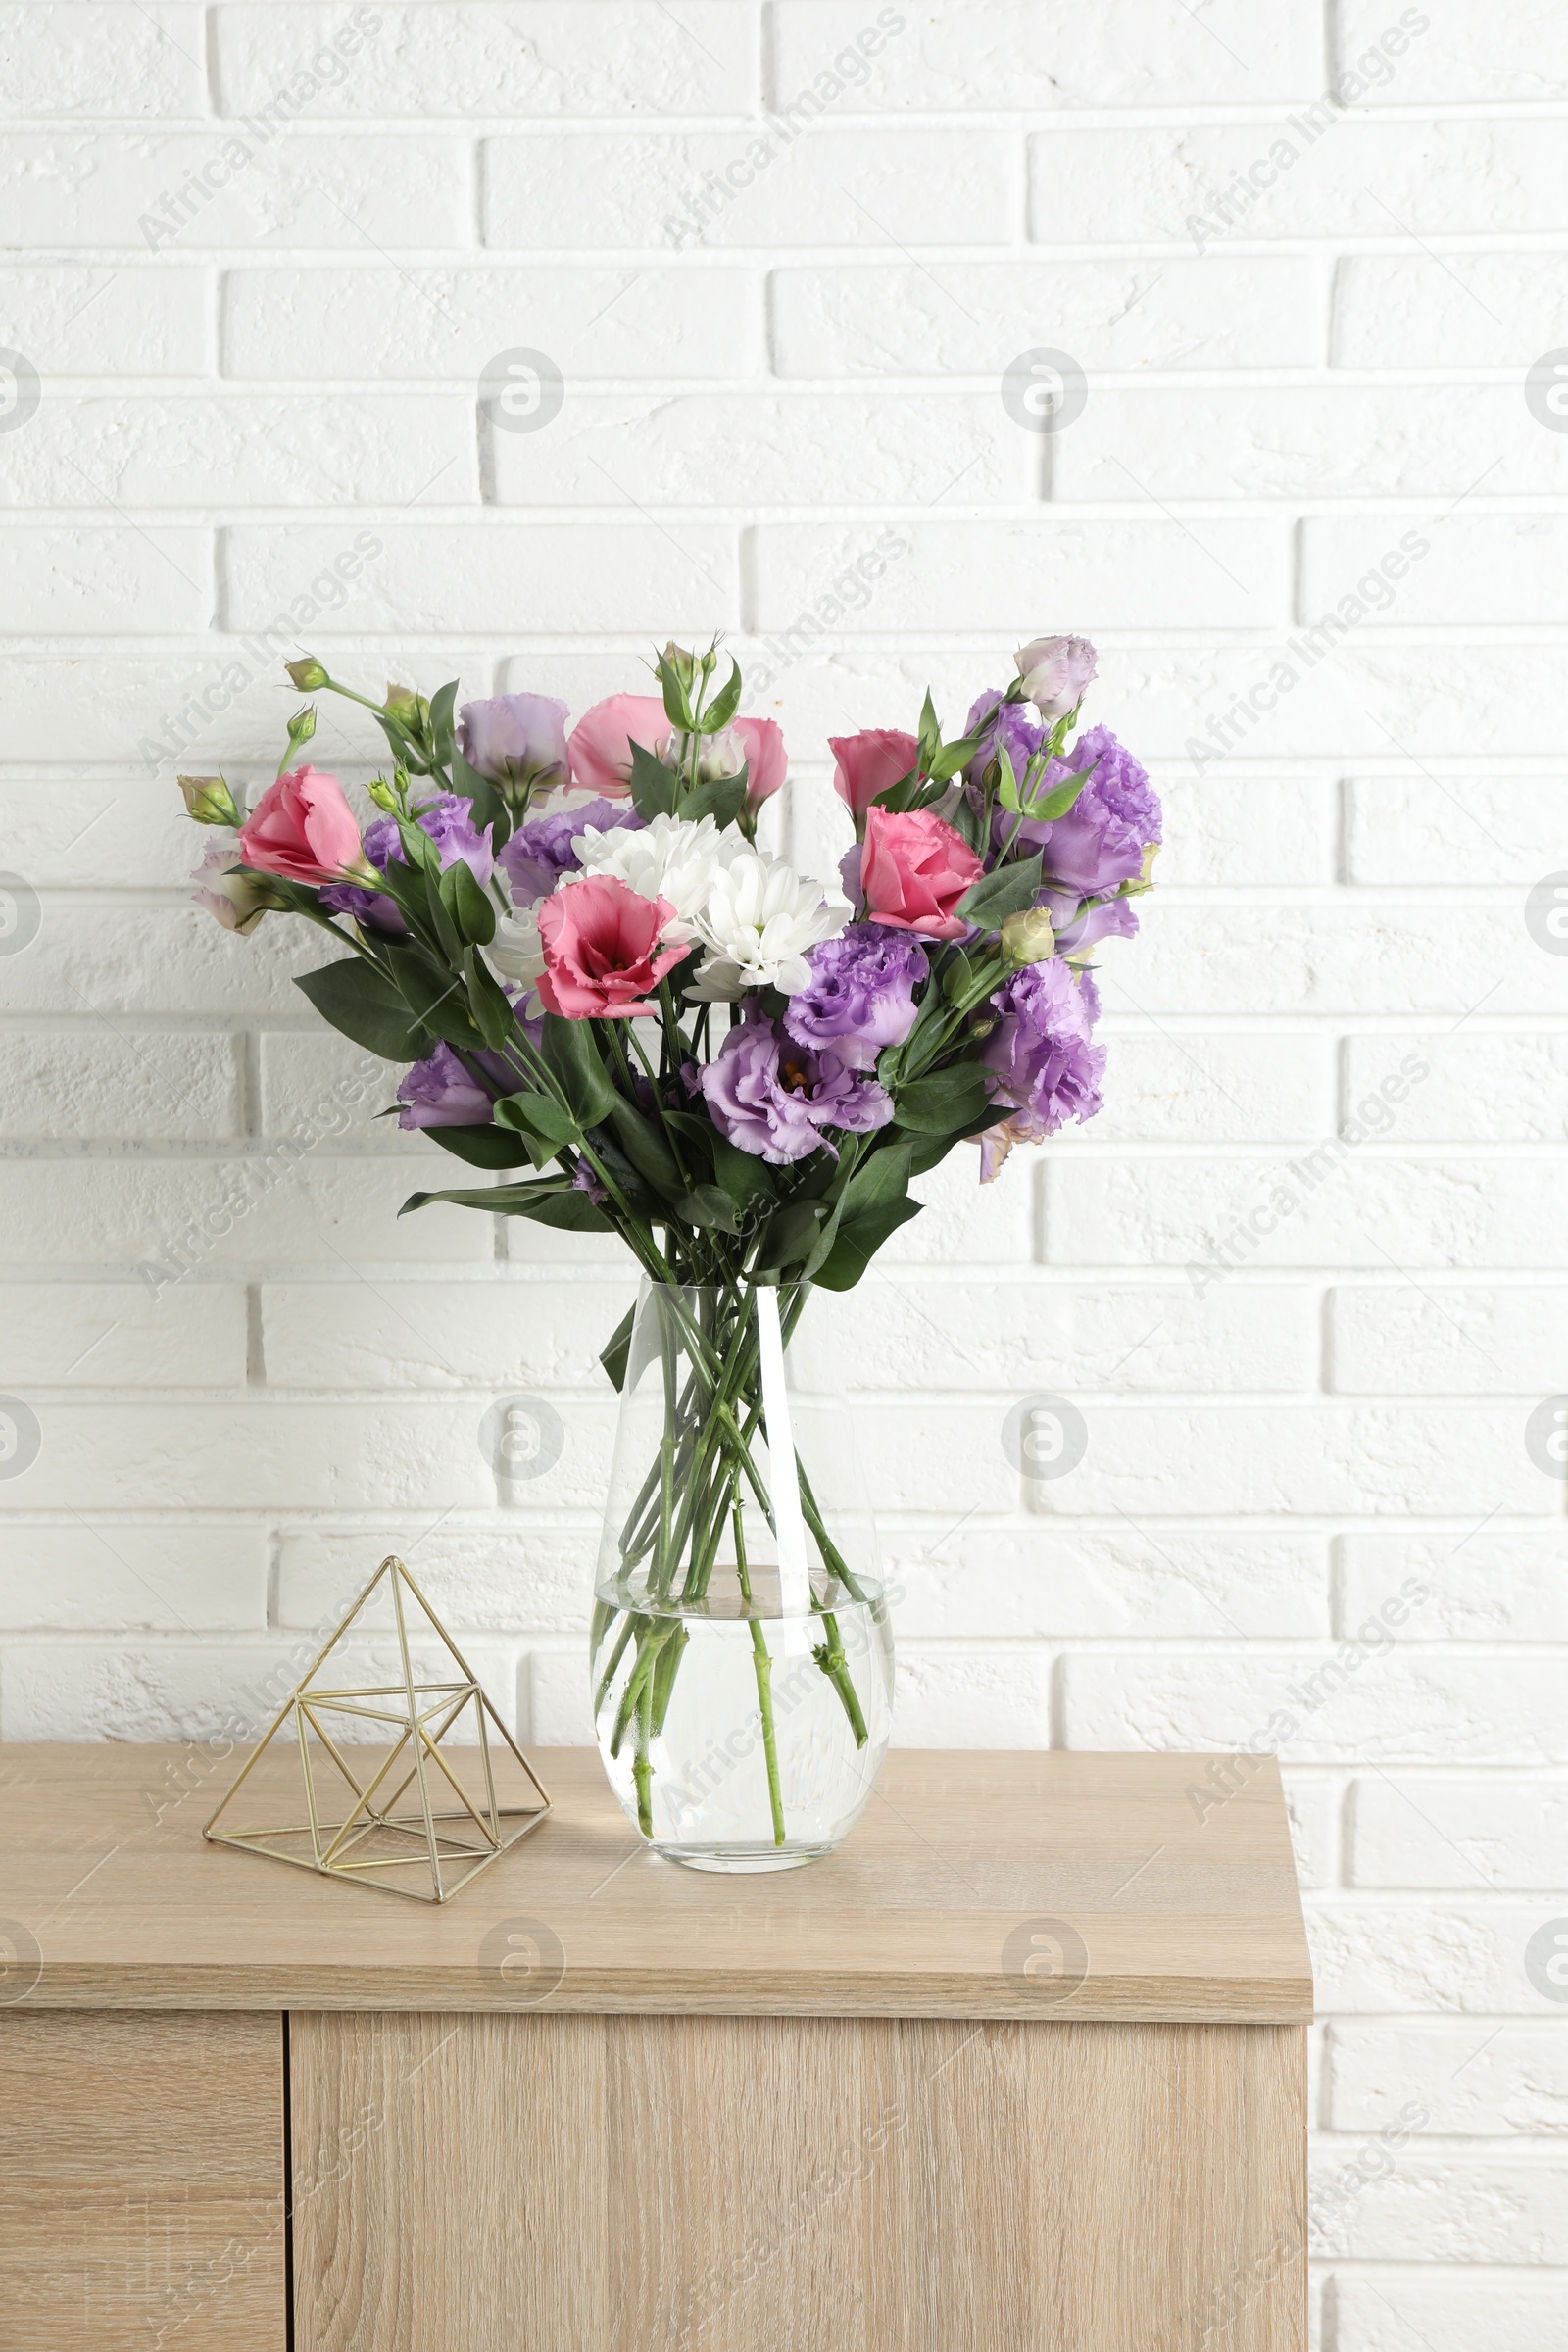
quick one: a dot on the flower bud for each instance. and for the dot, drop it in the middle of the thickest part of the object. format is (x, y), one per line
(1053, 673)
(1029, 936)
(722, 755)
(210, 801)
(408, 708)
(383, 794)
(309, 675)
(677, 662)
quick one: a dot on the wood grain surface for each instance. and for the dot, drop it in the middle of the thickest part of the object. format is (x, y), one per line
(967, 1874)
(716, 2184)
(141, 2182)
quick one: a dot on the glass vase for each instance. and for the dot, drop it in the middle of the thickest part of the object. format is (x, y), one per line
(741, 1653)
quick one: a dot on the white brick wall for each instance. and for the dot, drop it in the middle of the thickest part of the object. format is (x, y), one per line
(1306, 1494)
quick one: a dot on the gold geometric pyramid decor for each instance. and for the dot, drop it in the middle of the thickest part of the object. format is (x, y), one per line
(364, 1747)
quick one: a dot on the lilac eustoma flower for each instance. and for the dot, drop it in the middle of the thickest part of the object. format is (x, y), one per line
(860, 996)
(439, 1092)
(1047, 1071)
(773, 1099)
(448, 819)
(1008, 725)
(1100, 842)
(515, 739)
(540, 851)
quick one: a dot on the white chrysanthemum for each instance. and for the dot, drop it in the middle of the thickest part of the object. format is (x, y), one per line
(516, 953)
(672, 857)
(759, 919)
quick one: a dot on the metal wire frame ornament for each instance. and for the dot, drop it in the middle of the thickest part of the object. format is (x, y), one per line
(452, 1858)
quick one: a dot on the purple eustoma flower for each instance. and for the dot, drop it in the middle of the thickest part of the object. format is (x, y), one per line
(372, 909)
(1047, 1071)
(540, 851)
(773, 1099)
(860, 996)
(1008, 725)
(515, 739)
(440, 1093)
(1100, 842)
(448, 819)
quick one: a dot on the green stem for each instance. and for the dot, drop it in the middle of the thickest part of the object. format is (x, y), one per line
(764, 1667)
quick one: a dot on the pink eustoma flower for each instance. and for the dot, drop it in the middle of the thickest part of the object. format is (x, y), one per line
(867, 763)
(913, 870)
(303, 828)
(599, 746)
(766, 761)
(601, 948)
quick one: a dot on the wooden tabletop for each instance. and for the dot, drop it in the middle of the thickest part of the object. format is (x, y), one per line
(1018, 1883)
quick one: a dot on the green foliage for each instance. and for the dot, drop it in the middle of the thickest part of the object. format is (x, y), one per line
(355, 999)
(857, 1240)
(944, 1102)
(654, 786)
(1008, 891)
(481, 1146)
(547, 1203)
(573, 1059)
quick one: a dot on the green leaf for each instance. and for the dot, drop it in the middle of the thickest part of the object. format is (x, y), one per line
(405, 751)
(481, 1146)
(746, 1177)
(556, 1205)
(441, 720)
(1056, 803)
(1008, 891)
(572, 1056)
(617, 1350)
(930, 731)
(724, 704)
(959, 978)
(882, 1178)
(694, 1130)
(930, 1150)
(654, 786)
(468, 904)
(492, 1011)
(437, 997)
(645, 1149)
(858, 1239)
(489, 809)
(530, 1113)
(952, 757)
(946, 1101)
(723, 800)
(901, 796)
(710, 1205)
(791, 1234)
(356, 999)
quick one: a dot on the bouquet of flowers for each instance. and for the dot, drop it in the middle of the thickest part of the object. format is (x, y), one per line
(606, 990)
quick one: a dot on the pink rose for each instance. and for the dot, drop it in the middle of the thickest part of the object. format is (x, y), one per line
(766, 761)
(867, 763)
(914, 869)
(303, 828)
(598, 941)
(599, 746)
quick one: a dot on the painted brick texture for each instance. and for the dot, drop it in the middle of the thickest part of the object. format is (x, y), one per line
(1307, 1279)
